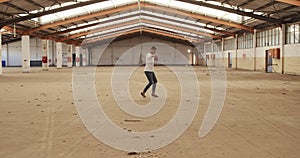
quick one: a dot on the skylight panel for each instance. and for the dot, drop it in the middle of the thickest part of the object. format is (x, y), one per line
(184, 6)
(112, 30)
(161, 2)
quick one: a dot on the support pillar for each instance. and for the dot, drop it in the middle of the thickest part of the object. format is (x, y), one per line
(89, 57)
(204, 55)
(282, 42)
(77, 52)
(212, 60)
(84, 55)
(223, 56)
(25, 53)
(254, 48)
(69, 55)
(59, 55)
(236, 52)
(45, 55)
(0, 53)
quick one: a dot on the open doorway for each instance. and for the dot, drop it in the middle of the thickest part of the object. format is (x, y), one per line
(213, 57)
(229, 60)
(192, 58)
(268, 61)
(74, 59)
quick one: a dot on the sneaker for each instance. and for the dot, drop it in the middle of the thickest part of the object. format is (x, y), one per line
(143, 94)
(154, 95)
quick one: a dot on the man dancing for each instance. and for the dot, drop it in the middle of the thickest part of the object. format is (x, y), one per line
(149, 72)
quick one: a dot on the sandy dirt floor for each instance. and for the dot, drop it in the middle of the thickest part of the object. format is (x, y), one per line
(260, 118)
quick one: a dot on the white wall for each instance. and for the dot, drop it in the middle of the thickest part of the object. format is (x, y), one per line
(292, 59)
(12, 52)
(35, 49)
(246, 59)
(126, 52)
(292, 50)
(132, 52)
(4, 54)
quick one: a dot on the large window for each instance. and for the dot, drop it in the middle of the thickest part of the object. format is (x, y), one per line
(245, 41)
(293, 34)
(267, 38)
(249, 40)
(217, 46)
(241, 40)
(229, 44)
(207, 47)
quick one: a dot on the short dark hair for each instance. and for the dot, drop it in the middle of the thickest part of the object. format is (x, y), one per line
(153, 48)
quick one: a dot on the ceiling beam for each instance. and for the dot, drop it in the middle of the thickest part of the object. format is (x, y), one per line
(220, 31)
(118, 9)
(195, 25)
(90, 25)
(181, 29)
(239, 12)
(292, 2)
(6, 14)
(7, 41)
(2, 1)
(86, 26)
(39, 14)
(198, 16)
(142, 26)
(133, 22)
(111, 36)
(15, 7)
(192, 24)
(21, 32)
(100, 29)
(87, 16)
(70, 30)
(163, 33)
(286, 19)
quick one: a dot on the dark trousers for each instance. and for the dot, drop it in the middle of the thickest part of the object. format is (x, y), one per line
(152, 80)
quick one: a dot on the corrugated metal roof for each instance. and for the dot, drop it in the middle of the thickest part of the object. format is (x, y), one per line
(268, 9)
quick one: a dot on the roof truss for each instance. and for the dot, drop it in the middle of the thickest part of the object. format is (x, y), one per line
(239, 12)
(39, 14)
(292, 2)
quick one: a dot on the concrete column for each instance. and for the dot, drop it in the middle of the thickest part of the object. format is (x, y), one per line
(236, 48)
(7, 54)
(45, 55)
(88, 56)
(77, 52)
(281, 43)
(84, 57)
(69, 55)
(0, 53)
(222, 51)
(204, 53)
(254, 48)
(25, 53)
(58, 54)
(53, 53)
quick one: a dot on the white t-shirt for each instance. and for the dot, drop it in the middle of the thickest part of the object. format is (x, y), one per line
(149, 62)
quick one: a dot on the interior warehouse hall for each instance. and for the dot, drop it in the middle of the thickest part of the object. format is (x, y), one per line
(149, 78)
